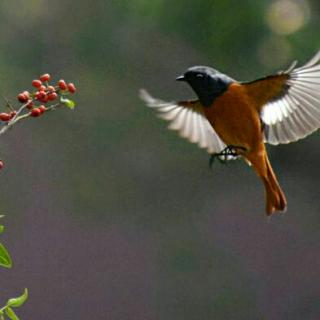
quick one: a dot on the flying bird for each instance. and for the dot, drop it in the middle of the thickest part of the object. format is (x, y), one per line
(235, 119)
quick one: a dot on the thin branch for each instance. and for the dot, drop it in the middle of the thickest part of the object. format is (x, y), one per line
(19, 116)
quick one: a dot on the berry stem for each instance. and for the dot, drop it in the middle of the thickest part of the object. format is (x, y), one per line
(18, 117)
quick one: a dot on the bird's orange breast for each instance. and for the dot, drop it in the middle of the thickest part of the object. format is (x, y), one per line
(235, 118)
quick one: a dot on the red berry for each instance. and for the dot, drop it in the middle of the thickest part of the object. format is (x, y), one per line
(71, 87)
(12, 114)
(5, 116)
(42, 108)
(36, 83)
(52, 96)
(45, 77)
(30, 104)
(51, 89)
(38, 94)
(27, 93)
(62, 84)
(1, 164)
(35, 112)
(42, 88)
(44, 99)
(22, 97)
(41, 96)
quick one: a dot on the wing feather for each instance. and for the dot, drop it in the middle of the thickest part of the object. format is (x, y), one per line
(188, 119)
(294, 112)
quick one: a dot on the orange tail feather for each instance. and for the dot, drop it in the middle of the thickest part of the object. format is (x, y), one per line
(275, 198)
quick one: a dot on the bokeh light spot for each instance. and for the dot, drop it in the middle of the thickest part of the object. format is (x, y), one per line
(285, 17)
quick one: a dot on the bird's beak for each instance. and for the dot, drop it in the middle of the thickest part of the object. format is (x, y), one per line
(181, 78)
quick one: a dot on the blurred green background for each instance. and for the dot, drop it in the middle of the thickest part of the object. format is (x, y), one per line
(111, 216)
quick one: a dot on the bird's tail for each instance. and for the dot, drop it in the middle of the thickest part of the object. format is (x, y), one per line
(275, 198)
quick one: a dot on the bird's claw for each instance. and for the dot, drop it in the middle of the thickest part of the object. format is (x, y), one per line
(230, 152)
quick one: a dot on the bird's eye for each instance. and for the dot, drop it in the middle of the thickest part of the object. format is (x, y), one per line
(199, 75)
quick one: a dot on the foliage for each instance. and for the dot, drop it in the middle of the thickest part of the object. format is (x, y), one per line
(8, 311)
(5, 259)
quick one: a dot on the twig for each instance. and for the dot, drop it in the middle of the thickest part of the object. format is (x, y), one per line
(19, 116)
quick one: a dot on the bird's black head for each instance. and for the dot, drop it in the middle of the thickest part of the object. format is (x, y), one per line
(207, 83)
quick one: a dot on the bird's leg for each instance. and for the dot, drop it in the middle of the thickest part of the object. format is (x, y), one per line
(222, 156)
(239, 150)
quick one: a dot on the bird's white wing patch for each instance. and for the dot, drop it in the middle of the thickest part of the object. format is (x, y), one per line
(188, 119)
(296, 114)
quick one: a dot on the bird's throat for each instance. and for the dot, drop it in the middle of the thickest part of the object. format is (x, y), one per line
(207, 97)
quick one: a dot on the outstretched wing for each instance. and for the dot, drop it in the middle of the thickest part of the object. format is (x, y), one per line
(289, 103)
(188, 119)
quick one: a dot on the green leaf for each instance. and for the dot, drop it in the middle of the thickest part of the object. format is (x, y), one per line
(1, 228)
(5, 259)
(68, 103)
(11, 314)
(19, 301)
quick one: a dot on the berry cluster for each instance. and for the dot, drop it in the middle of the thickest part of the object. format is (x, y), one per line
(45, 97)
(45, 93)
